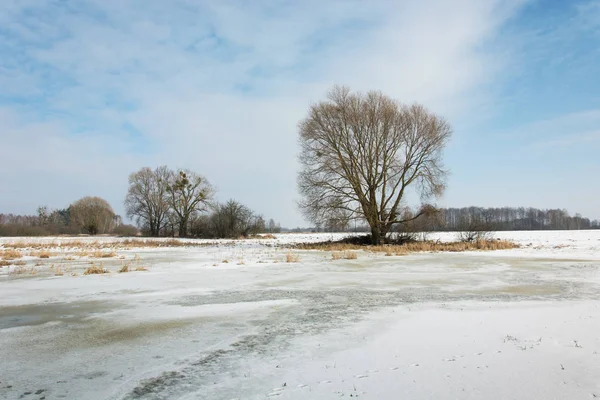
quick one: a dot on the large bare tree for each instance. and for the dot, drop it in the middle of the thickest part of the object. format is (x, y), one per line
(93, 215)
(147, 199)
(189, 193)
(360, 154)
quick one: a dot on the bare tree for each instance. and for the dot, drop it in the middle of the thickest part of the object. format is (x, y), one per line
(189, 193)
(93, 215)
(361, 152)
(234, 219)
(147, 199)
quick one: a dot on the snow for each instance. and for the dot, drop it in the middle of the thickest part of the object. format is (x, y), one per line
(518, 324)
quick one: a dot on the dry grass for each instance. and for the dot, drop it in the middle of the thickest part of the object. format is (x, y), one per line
(264, 236)
(103, 254)
(141, 269)
(56, 270)
(95, 269)
(89, 246)
(345, 255)
(124, 268)
(4, 263)
(225, 261)
(20, 263)
(292, 258)
(10, 254)
(412, 247)
(43, 254)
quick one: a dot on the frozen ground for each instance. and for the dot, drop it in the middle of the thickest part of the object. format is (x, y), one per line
(516, 324)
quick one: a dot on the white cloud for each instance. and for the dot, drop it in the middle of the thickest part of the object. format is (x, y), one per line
(219, 86)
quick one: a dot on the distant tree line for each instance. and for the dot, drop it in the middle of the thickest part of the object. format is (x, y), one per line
(88, 215)
(475, 219)
(161, 202)
(512, 218)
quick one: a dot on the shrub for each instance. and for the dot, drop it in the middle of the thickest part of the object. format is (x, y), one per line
(125, 230)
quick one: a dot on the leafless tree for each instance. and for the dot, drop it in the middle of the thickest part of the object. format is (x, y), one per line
(474, 228)
(361, 152)
(93, 215)
(234, 219)
(147, 199)
(189, 193)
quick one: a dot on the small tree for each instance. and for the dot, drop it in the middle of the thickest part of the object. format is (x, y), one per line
(473, 228)
(147, 199)
(189, 193)
(233, 219)
(360, 154)
(92, 214)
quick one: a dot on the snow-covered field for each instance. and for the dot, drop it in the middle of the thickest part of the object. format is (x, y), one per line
(234, 320)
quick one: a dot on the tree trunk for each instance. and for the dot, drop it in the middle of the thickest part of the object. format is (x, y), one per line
(183, 228)
(376, 235)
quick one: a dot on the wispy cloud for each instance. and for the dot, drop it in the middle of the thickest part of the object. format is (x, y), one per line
(93, 89)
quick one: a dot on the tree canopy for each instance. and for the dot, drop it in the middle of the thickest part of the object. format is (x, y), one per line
(360, 153)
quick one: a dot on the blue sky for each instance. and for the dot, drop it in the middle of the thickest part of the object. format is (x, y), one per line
(92, 90)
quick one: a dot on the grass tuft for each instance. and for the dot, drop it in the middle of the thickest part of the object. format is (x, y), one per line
(103, 254)
(344, 255)
(10, 254)
(292, 258)
(95, 269)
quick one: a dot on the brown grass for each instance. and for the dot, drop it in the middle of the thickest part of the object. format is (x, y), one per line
(412, 247)
(103, 254)
(345, 255)
(89, 246)
(264, 236)
(141, 269)
(292, 258)
(95, 269)
(43, 254)
(124, 268)
(10, 254)
(21, 263)
(4, 263)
